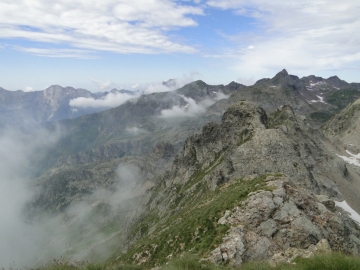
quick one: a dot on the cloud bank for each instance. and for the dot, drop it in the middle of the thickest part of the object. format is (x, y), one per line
(111, 100)
(191, 109)
(176, 83)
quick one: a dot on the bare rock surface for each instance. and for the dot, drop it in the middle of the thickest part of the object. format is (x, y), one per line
(282, 224)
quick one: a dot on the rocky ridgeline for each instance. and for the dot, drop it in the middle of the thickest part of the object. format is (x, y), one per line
(314, 97)
(293, 215)
(248, 142)
(283, 223)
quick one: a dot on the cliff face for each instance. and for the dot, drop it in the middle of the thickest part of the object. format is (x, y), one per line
(51, 104)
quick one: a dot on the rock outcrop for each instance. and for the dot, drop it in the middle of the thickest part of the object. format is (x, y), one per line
(283, 223)
(247, 142)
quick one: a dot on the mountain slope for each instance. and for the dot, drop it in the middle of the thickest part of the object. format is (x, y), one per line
(131, 131)
(274, 177)
(343, 132)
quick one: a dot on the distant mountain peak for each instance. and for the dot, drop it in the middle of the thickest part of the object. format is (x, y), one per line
(283, 77)
(284, 71)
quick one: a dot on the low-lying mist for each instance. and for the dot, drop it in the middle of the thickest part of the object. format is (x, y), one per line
(192, 108)
(86, 228)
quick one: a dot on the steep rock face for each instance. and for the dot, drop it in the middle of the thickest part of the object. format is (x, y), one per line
(244, 144)
(51, 104)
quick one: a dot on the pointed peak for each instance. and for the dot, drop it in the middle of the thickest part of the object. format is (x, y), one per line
(283, 72)
(334, 77)
(280, 76)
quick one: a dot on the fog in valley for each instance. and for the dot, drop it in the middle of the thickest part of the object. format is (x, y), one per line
(30, 237)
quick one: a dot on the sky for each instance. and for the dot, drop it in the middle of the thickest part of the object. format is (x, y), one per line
(99, 45)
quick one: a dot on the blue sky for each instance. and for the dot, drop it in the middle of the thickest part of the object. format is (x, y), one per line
(98, 45)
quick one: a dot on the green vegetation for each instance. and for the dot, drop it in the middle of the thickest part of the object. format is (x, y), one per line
(330, 261)
(321, 116)
(342, 98)
(195, 227)
(277, 118)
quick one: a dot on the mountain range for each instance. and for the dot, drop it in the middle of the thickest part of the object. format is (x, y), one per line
(49, 105)
(232, 173)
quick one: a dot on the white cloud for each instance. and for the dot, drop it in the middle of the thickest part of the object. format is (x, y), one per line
(111, 100)
(191, 109)
(160, 87)
(302, 36)
(187, 78)
(56, 53)
(123, 26)
(149, 88)
(246, 80)
(28, 89)
(103, 85)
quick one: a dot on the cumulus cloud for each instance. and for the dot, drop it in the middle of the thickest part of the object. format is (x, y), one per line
(103, 85)
(191, 109)
(303, 36)
(176, 83)
(246, 80)
(28, 89)
(123, 26)
(187, 78)
(111, 100)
